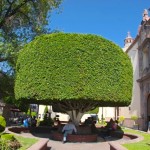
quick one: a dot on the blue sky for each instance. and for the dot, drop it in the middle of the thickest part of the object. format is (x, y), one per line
(111, 19)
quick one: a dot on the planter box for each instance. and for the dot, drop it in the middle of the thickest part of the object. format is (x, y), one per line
(136, 127)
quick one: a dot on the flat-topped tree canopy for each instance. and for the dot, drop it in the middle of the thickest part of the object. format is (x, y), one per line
(73, 72)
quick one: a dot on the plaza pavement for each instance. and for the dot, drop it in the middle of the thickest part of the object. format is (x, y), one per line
(58, 145)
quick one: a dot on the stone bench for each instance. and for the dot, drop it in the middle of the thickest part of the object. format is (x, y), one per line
(84, 134)
(82, 130)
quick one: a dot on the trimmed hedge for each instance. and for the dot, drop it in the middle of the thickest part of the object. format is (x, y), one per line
(64, 66)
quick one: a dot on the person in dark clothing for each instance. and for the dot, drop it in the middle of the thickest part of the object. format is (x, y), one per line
(33, 122)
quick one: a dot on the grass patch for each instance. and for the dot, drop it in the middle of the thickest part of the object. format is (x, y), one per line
(142, 145)
(25, 142)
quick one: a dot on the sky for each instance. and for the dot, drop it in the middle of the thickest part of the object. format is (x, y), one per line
(111, 19)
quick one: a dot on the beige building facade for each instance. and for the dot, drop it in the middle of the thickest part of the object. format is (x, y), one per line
(139, 52)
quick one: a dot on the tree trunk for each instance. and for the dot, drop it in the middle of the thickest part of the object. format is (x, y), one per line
(75, 116)
(6, 113)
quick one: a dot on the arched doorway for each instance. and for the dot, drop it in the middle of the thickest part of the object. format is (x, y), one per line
(148, 110)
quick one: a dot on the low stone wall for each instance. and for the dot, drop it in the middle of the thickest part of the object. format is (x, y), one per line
(30, 129)
(75, 137)
(19, 129)
(117, 145)
(40, 145)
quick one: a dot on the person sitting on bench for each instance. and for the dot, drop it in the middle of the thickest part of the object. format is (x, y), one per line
(69, 128)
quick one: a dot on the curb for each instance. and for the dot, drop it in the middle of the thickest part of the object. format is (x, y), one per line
(118, 145)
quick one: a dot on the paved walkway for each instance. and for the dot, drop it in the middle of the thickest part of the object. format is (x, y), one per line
(58, 145)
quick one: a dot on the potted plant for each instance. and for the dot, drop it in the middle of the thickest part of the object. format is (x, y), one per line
(120, 120)
(135, 118)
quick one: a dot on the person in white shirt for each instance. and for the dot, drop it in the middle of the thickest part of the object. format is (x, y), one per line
(69, 128)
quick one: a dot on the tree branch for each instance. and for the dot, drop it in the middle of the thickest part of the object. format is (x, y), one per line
(11, 12)
(7, 12)
(3, 59)
(24, 15)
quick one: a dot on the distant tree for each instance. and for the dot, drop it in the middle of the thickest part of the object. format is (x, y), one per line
(6, 87)
(25, 14)
(45, 110)
(20, 22)
(73, 72)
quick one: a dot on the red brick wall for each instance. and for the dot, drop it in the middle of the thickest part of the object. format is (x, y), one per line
(76, 137)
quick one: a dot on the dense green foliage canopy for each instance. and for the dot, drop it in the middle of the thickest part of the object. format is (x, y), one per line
(68, 67)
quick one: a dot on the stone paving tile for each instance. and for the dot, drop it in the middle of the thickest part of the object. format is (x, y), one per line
(57, 145)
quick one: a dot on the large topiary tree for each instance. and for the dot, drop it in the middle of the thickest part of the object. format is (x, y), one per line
(73, 72)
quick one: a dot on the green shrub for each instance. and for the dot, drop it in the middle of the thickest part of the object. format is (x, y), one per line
(4, 145)
(134, 118)
(7, 137)
(2, 124)
(121, 119)
(46, 122)
(9, 142)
